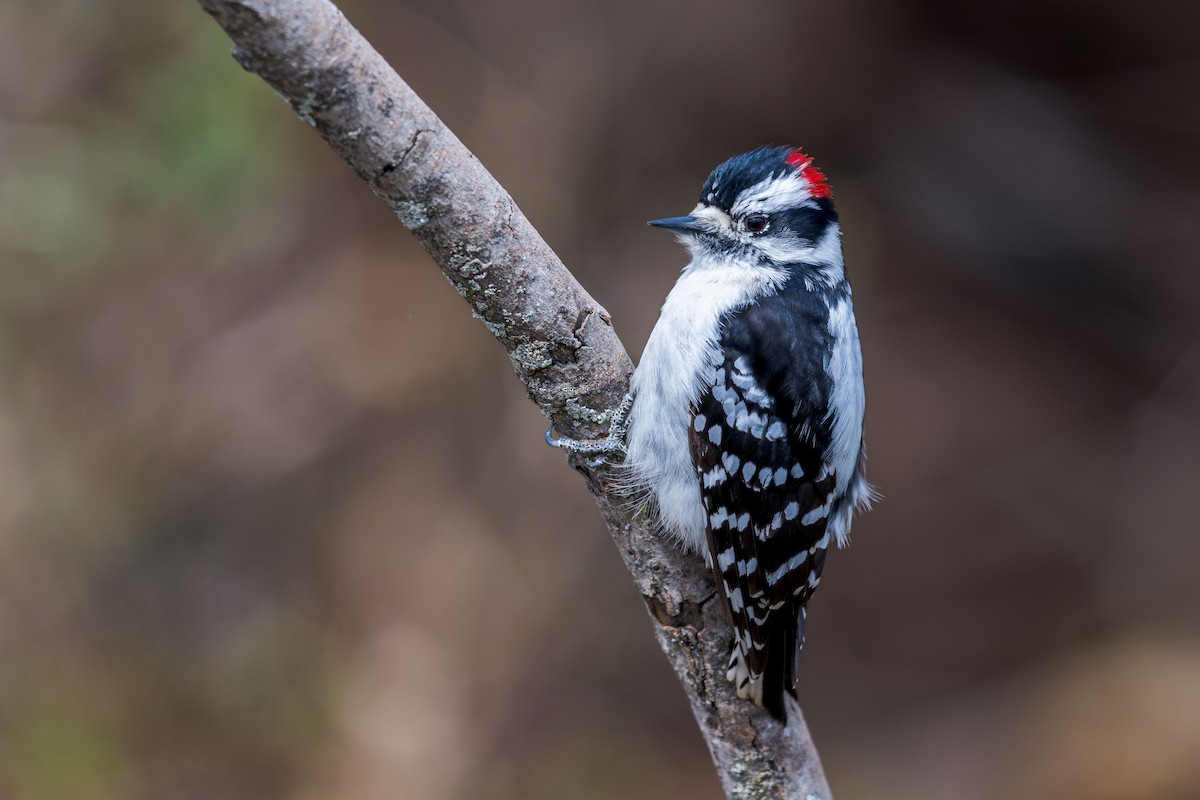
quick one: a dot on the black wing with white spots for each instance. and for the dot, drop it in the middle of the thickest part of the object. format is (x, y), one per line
(758, 438)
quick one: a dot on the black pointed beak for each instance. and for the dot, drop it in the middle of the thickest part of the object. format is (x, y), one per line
(679, 224)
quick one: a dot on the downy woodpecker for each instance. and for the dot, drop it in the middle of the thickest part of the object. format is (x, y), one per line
(744, 429)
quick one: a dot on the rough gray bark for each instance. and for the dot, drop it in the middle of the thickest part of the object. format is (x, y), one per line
(561, 342)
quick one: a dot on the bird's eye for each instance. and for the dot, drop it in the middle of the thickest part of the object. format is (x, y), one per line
(757, 223)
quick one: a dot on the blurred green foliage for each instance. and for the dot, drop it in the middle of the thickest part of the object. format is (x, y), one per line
(57, 740)
(171, 142)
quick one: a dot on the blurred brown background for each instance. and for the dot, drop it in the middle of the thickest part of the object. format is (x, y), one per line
(276, 520)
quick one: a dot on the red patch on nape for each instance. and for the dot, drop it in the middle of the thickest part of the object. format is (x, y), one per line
(816, 180)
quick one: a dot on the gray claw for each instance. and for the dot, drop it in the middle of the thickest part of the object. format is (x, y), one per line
(615, 443)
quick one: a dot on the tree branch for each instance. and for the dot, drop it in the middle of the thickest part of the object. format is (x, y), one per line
(561, 342)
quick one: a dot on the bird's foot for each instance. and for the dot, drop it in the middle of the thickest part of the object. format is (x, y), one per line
(612, 444)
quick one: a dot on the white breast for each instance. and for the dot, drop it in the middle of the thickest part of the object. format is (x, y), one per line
(846, 408)
(675, 367)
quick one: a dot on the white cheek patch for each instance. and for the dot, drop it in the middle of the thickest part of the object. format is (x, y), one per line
(825, 253)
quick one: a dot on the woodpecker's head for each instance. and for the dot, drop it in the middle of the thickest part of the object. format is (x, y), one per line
(770, 206)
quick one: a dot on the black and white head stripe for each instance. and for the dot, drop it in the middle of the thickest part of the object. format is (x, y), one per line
(776, 178)
(771, 206)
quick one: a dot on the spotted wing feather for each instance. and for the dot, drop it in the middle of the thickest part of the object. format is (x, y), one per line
(758, 439)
